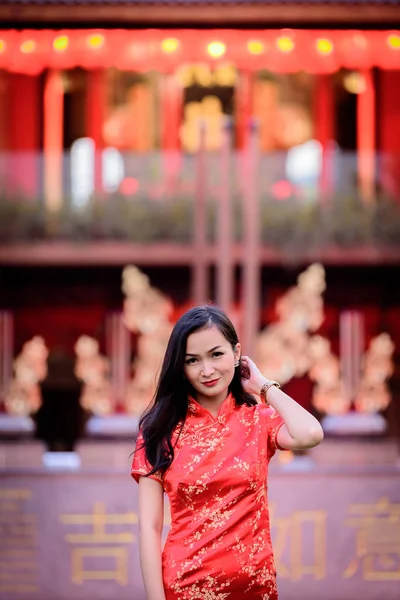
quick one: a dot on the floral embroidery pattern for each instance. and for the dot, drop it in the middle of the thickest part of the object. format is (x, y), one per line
(219, 544)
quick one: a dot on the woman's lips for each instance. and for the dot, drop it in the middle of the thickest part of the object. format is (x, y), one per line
(210, 383)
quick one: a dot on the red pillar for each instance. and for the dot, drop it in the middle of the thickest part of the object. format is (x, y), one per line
(200, 260)
(23, 133)
(4, 80)
(251, 288)
(95, 117)
(366, 142)
(172, 112)
(53, 139)
(4, 94)
(243, 108)
(171, 120)
(224, 261)
(389, 128)
(324, 112)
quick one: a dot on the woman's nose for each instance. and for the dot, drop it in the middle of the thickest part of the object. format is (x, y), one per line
(207, 369)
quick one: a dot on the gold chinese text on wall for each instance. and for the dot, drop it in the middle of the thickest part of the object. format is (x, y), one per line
(98, 554)
(19, 566)
(301, 536)
(377, 552)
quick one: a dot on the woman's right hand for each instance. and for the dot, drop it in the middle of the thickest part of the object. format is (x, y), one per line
(252, 378)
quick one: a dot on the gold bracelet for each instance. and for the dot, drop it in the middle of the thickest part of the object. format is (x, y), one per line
(263, 392)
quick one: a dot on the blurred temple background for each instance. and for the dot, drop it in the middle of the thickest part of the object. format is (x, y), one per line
(154, 156)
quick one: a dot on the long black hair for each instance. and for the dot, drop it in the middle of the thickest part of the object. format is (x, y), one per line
(170, 403)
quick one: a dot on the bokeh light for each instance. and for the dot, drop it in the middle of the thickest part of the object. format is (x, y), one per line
(285, 44)
(96, 41)
(255, 47)
(324, 46)
(216, 49)
(393, 41)
(61, 43)
(354, 83)
(28, 46)
(129, 186)
(170, 45)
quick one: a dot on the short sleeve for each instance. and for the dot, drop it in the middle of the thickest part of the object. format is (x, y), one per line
(140, 465)
(271, 422)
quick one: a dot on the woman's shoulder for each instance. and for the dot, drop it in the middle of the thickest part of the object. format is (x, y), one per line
(258, 411)
(256, 407)
(251, 411)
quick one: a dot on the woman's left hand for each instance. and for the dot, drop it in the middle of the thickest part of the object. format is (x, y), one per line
(252, 378)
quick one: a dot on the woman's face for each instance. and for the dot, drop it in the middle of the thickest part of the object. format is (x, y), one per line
(210, 363)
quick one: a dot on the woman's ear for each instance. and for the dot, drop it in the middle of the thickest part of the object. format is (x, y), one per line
(237, 351)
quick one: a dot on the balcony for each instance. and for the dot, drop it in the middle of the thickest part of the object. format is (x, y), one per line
(119, 207)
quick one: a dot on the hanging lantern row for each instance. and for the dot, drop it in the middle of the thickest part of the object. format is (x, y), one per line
(32, 51)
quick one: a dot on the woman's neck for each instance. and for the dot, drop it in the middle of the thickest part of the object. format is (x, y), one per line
(212, 404)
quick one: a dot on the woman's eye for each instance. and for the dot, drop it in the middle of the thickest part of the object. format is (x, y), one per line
(216, 354)
(190, 361)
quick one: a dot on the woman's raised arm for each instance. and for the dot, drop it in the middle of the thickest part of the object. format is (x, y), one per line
(301, 429)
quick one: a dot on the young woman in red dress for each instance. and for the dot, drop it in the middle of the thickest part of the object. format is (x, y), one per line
(206, 442)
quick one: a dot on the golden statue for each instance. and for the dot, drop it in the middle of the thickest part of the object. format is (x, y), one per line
(283, 348)
(289, 348)
(209, 113)
(147, 313)
(92, 368)
(30, 368)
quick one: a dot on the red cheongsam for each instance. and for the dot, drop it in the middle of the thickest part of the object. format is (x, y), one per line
(219, 545)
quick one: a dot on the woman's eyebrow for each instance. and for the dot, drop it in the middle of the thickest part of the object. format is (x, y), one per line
(209, 352)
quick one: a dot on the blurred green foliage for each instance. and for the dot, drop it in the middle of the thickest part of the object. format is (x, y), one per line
(286, 224)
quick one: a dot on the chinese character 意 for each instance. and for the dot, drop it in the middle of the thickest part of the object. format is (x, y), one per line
(377, 541)
(303, 535)
(110, 545)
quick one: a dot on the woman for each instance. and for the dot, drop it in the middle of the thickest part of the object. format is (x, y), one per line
(207, 443)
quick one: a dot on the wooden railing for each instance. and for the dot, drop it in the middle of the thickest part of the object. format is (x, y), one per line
(304, 199)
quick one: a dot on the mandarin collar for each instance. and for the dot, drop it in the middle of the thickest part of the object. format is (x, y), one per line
(198, 411)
